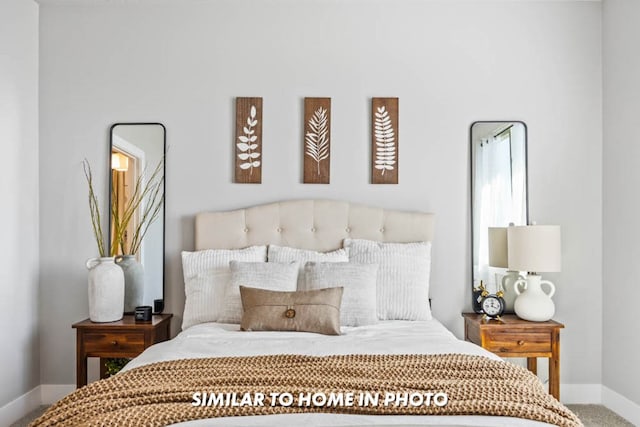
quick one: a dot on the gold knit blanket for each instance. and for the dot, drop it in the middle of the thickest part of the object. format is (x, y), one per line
(163, 393)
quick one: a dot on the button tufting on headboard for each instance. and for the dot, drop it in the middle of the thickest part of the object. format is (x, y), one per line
(310, 224)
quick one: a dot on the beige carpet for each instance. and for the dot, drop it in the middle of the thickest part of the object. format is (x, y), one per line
(598, 416)
(591, 416)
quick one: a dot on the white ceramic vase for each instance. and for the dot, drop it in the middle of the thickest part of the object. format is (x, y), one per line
(509, 294)
(133, 281)
(533, 303)
(106, 290)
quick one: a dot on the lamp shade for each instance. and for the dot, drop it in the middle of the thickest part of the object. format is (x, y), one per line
(534, 248)
(498, 247)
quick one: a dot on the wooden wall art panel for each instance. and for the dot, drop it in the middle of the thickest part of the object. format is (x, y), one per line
(317, 140)
(248, 142)
(384, 141)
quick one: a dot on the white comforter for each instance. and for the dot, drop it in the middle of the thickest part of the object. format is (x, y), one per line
(389, 337)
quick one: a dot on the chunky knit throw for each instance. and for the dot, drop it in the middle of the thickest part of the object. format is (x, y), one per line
(162, 393)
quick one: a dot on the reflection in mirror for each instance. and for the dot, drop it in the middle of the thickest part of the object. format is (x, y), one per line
(498, 194)
(137, 163)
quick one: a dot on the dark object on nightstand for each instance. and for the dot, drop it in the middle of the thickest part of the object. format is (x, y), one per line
(143, 313)
(158, 306)
(123, 338)
(476, 294)
(513, 337)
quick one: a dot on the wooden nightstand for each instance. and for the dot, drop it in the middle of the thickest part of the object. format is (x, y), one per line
(514, 337)
(123, 338)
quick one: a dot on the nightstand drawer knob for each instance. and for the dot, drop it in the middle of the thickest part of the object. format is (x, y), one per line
(114, 342)
(520, 342)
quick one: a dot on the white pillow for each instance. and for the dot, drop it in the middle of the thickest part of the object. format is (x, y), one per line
(403, 276)
(359, 282)
(206, 275)
(273, 276)
(302, 256)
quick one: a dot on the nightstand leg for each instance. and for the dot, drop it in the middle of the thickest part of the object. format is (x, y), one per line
(103, 368)
(532, 364)
(81, 361)
(81, 370)
(554, 366)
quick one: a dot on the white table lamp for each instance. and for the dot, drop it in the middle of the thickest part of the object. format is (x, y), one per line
(498, 257)
(535, 249)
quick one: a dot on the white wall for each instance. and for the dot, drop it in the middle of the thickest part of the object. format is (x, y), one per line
(621, 372)
(450, 63)
(19, 360)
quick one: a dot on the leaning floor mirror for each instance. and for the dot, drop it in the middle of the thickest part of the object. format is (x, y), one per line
(136, 225)
(499, 197)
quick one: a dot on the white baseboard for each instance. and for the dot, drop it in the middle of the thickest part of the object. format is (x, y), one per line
(621, 405)
(20, 406)
(51, 393)
(581, 393)
(44, 394)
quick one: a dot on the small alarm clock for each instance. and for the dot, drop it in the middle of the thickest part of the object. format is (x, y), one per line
(143, 313)
(493, 305)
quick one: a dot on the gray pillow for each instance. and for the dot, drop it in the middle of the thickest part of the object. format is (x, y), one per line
(277, 253)
(274, 276)
(359, 283)
(302, 311)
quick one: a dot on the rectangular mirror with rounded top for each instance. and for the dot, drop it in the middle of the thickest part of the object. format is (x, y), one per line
(136, 220)
(499, 197)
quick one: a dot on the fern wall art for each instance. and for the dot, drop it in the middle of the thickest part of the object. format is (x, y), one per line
(317, 140)
(248, 141)
(384, 141)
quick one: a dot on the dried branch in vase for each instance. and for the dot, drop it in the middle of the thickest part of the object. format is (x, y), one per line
(94, 209)
(148, 194)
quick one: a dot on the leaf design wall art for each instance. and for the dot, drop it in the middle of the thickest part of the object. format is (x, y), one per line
(317, 140)
(248, 142)
(384, 141)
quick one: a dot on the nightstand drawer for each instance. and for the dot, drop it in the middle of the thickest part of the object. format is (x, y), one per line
(107, 343)
(518, 342)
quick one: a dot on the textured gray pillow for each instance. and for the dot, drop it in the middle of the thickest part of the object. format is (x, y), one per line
(302, 311)
(359, 283)
(274, 276)
(403, 276)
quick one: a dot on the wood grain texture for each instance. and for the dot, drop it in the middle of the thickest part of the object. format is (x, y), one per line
(384, 141)
(248, 141)
(317, 141)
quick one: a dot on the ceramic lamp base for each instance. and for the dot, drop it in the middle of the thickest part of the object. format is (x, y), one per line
(533, 303)
(507, 283)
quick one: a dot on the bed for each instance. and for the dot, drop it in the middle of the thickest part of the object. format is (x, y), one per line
(391, 348)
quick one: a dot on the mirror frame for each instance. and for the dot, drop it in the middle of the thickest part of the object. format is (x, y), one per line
(164, 204)
(474, 302)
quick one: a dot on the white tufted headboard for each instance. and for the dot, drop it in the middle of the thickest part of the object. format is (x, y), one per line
(320, 225)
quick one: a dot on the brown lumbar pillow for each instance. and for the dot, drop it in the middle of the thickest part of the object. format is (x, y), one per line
(302, 311)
